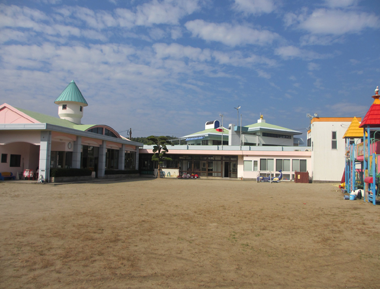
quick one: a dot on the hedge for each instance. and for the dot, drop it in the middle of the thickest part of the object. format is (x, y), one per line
(70, 172)
(121, 172)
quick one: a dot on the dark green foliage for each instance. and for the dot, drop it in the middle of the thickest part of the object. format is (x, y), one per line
(70, 172)
(145, 140)
(159, 150)
(121, 172)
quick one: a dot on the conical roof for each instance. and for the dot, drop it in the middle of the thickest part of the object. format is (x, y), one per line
(372, 117)
(71, 93)
(354, 130)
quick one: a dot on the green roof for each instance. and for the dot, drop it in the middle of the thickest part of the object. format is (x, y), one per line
(43, 118)
(72, 93)
(208, 131)
(264, 125)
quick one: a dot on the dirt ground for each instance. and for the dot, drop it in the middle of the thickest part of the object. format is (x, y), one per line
(157, 233)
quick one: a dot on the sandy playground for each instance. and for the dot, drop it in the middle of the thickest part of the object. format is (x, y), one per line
(157, 233)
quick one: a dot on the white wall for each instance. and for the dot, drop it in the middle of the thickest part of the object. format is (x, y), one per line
(328, 163)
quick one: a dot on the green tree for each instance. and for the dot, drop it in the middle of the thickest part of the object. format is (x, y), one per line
(159, 150)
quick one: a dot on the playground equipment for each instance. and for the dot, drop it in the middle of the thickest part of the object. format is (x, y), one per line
(365, 155)
(270, 179)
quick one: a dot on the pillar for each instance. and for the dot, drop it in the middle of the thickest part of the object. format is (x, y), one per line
(102, 159)
(137, 158)
(45, 155)
(77, 153)
(121, 164)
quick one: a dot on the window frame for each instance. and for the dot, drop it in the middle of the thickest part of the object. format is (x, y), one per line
(334, 140)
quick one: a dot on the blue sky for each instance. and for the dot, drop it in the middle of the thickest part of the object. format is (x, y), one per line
(165, 67)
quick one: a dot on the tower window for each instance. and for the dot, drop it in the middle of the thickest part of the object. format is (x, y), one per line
(80, 108)
(64, 106)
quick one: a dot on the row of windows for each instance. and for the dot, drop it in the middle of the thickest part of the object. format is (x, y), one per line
(276, 135)
(15, 160)
(281, 164)
(99, 130)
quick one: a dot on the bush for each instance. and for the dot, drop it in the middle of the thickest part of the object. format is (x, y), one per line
(121, 172)
(70, 172)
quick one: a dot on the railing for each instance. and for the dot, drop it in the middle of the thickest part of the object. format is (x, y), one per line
(233, 148)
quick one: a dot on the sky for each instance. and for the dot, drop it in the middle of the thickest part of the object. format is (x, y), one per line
(165, 67)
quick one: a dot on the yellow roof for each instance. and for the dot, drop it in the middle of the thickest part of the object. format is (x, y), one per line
(354, 131)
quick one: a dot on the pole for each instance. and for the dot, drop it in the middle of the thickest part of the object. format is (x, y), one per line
(240, 129)
(221, 115)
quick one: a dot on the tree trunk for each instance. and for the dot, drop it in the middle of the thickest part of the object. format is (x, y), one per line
(159, 170)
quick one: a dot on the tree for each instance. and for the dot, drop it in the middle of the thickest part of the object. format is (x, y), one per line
(159, 150)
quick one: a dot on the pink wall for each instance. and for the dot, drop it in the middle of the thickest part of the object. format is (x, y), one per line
(29, 157)
(8, 137)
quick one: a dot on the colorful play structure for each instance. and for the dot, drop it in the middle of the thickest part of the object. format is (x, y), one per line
(362, 169)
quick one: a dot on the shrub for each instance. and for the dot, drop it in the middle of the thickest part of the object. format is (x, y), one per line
(121, 172)
(70, 172)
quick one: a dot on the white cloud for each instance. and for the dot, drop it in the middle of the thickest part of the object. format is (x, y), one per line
(338, 22)
(320, 40)
(344, 108)
(313, 66)
(176, 32)
(228, 34)
(289, 52)
(164, 12)
(156, 33)
(178, 51)
(340, 3)
(236, 58)
(9, 34)
(254, 6)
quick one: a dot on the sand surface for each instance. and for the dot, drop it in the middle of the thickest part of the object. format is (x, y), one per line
(157, 233)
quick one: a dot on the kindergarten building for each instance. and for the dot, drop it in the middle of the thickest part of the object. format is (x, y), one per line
(35, 141)
(255, 150)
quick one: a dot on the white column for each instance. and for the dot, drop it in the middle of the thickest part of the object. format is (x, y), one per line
(121, 158)
(137, 158)
(45, 154)
(102, 159)
(77, 153)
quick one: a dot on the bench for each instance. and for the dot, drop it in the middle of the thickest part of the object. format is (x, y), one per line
(7, 176)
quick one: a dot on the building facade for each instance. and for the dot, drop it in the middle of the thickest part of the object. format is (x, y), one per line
(39, 142)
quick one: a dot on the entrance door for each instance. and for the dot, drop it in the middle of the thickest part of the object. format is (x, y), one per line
(226, 169)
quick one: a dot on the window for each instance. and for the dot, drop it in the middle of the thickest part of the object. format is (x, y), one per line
(204, 142)
(299, 166)
(309, 142)
(109, 133)
(15, 161)
(276, 135)
(4, 158)
(247, 166)
(98, 130)
(333, 140)
(80, 108)
(283, 165)
(255, 166)
(266, 164)
(64, 106)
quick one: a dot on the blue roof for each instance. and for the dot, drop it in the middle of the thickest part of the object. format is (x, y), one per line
(72, 93)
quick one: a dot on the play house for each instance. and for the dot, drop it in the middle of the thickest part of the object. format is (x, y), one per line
(362, 166)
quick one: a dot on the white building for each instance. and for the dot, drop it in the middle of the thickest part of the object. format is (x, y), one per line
(328, 147)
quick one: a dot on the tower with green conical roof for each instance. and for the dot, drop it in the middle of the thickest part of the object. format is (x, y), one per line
(71, 103)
